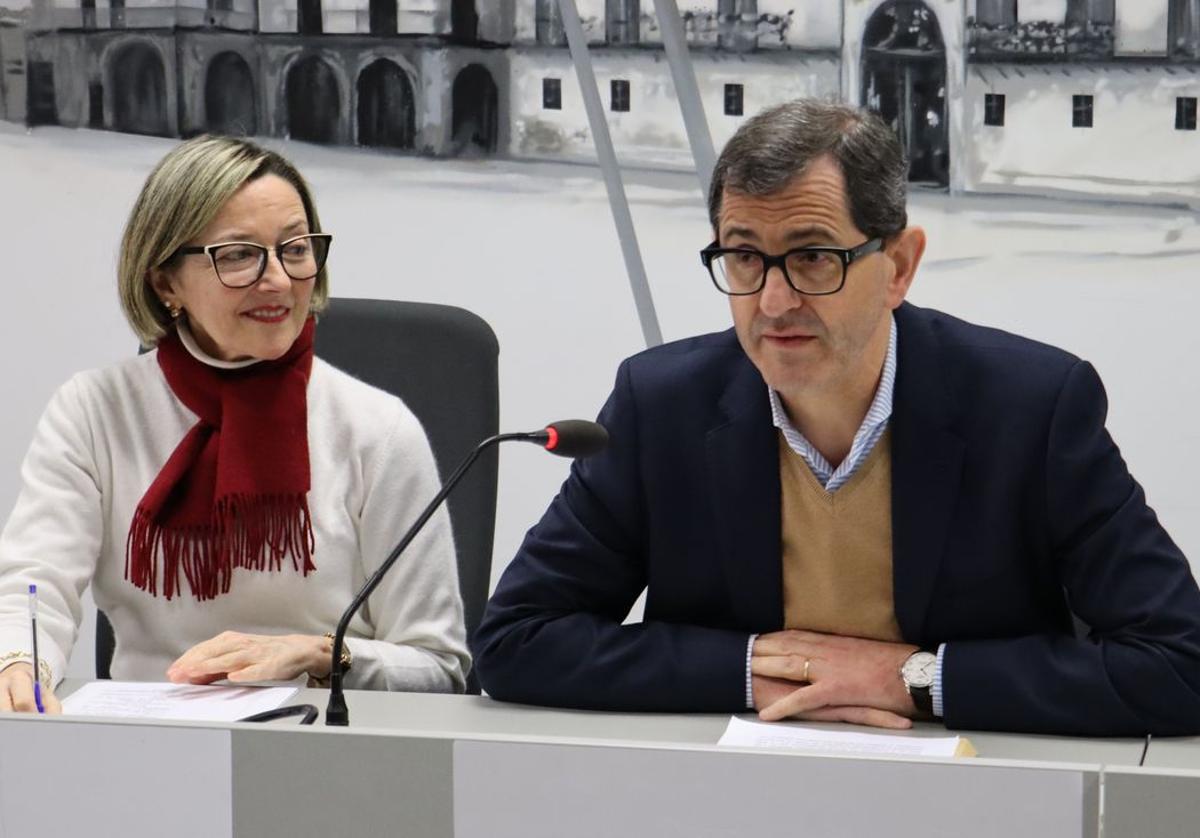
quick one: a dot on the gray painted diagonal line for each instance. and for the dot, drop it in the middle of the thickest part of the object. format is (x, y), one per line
(687, 91)
(617, 199)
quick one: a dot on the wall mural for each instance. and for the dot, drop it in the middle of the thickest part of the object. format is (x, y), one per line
(1053, 143)
(965, 82)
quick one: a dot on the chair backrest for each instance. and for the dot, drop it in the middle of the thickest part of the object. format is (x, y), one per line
(443, 362)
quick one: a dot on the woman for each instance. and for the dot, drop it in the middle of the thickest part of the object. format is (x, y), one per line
(227, 493)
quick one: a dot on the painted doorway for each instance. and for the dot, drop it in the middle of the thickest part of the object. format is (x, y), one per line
(139, 86)
(229, 105)
(476, 123)
(904, 79)
(386, 106)
(313, 103)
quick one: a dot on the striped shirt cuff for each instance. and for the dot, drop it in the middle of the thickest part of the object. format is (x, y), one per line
(749, 676)
(935, 692)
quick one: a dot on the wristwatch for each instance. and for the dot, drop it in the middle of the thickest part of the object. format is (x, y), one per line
(917, 673)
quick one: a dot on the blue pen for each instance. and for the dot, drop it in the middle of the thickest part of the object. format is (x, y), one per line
(37, 681)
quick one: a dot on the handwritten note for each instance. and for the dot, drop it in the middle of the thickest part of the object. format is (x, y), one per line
(178, 702)
(743, 734)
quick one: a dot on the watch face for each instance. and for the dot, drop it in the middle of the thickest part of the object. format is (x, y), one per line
(919, 669)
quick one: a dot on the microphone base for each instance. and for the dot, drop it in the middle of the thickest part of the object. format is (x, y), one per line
(336, 712)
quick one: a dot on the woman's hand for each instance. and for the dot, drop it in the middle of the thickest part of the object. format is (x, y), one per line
(252, 657)
(16, 691)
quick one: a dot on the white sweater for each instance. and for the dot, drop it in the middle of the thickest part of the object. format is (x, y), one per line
(104, 437)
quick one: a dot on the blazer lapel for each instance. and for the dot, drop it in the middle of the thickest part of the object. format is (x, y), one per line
(743, 473)
(927, 459)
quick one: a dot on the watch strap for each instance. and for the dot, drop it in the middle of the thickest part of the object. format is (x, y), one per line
(922, 696)
(922, 699)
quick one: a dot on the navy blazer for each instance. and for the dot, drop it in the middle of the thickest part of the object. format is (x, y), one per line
(1012, 512)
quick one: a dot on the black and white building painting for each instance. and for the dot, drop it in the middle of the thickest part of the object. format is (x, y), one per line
(1027, 96)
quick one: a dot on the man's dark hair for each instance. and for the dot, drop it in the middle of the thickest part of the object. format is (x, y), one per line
(779, 143)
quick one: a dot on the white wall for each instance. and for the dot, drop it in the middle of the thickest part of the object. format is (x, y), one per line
(1133, 150)
(652, 132)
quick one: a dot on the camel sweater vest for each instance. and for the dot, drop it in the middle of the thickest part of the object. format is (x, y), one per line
(837, 548)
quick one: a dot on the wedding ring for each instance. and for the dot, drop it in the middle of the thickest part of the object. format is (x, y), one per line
(804, 676)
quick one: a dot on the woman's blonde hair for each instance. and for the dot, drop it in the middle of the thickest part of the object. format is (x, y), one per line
(180, 198)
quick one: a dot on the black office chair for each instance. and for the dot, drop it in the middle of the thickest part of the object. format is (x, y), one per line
(442, 361)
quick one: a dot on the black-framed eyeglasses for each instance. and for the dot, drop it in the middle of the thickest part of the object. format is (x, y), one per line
(815, 271)
(241, 264)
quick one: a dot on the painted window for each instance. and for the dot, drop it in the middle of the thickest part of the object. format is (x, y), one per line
(95, 105)
(620, 95)
(997, 12)
(1183, 28)
(1081, 111)
(993, 109)
(382, 16)
(623, 19)
(737, 24)
(464, 20)
(552, 94)
(1095, 12)
(548, 23)
(308, 17)
(734, 99)
(1185, 113)
(43, 110)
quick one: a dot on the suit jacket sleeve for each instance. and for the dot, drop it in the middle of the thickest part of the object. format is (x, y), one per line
(1138, 670)
(553, 632)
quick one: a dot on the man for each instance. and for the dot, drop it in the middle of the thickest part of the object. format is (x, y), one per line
(849, 508)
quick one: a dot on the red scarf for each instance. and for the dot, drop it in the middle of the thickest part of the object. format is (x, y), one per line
(234, 491)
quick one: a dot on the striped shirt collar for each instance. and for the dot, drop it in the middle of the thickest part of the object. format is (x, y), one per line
(868, 434)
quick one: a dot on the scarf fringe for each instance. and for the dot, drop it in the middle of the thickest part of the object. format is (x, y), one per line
(247, 531)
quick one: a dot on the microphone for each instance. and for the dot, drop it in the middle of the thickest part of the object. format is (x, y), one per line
(575, 438)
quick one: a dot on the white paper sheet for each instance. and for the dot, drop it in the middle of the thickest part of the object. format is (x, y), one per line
(179, 702)
(744, 734)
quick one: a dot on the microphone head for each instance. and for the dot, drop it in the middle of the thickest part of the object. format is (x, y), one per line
(575, 438)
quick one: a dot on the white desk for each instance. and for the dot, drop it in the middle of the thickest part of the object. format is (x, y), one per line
(1163, 798)
(469, 767)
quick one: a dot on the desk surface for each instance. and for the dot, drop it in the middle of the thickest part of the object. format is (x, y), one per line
(1180, 753)
(470, 716)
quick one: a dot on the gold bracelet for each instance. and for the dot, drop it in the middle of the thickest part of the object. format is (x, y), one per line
(9, 658)
(346, 659)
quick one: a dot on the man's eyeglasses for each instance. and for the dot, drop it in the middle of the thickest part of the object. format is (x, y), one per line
(816, 271)
(241, 264)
